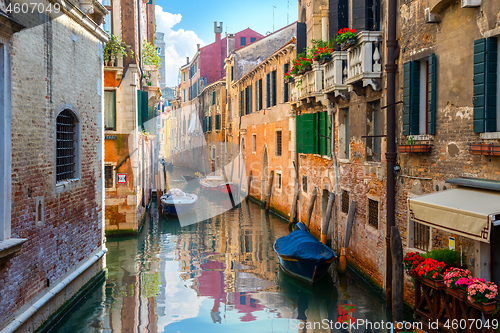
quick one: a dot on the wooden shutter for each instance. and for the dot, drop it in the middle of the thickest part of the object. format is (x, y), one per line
(431, 104)
(268, 90)
(285, 85)
(213, 97)
(209, 123)
(260, 94)
(298, 134)
(309, 133)
(328, 131)
(322, 132)
(491, 84)
(257, 96)
(217, 121)
(411, 98)
(241, 104)
(250, 99)
(479, 87)
(273, 77)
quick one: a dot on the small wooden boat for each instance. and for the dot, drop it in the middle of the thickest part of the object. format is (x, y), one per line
(188, 178)
(217, 185)
(302, 256)
(177, 202)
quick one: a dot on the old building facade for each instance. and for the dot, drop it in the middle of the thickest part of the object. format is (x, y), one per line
(448, 130)
(132, 91)
(51, 238)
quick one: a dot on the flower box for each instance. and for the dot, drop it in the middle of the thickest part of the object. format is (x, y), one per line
(417, 148)
(480, 148)
(436, 284)
(495, 150)
(455, 292)
(326, 59)
(487, 308)
(347, 43)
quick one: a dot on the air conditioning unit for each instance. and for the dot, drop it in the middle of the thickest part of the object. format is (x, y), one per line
(470, 3)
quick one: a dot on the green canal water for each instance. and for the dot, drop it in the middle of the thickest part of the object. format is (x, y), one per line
(219, 275)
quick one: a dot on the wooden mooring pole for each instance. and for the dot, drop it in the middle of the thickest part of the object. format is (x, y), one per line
(327, 218)
(397, 275)
(249, 184)
(269, 191)
(311, 206)
(158, 194)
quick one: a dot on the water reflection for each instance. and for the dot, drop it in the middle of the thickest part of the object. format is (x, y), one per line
(220, 275)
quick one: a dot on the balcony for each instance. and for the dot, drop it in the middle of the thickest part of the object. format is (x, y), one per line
(115, 65)
(151, 83)
(336, 73)
(308, 86)
(363, 60)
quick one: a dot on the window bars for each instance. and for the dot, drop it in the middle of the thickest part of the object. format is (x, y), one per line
(66, 146)
(345, 201)
(373, 213)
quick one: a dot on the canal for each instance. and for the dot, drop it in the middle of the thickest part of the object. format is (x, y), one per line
(219, 275)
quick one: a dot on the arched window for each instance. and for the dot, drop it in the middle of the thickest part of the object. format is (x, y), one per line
(66, 150)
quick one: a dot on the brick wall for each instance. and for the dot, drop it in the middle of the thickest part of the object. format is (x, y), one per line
(54, 67)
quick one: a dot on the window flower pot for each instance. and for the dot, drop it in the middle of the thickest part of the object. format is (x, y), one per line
(487, 308)
(457, 293)
(325, 59)
(347, 43)
(435, 284)
(290, 80)
(495, 150)
(417, 148)
(481, 148)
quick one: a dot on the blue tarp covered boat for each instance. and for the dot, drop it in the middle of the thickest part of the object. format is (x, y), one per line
(303, 256)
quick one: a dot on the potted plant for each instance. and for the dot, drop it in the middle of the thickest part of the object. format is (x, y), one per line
(289, 77)
(411, 261)
(481, 295)
(429, 271)
(114, 47)
(150, 55)
(451, 258)
(412, 147)
(346, 38)
(321, 50)
(456, 280)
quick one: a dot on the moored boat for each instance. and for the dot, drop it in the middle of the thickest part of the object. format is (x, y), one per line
(217, 185)
(303, 256)
(177, 202)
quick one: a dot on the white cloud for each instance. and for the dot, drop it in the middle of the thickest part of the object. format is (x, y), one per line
(179, 44)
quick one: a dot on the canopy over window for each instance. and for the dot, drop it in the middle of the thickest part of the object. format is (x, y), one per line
(465, 212)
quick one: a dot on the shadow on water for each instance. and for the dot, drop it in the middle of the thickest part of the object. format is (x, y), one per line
(219, 275)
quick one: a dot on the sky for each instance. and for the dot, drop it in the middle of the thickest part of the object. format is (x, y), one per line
(187, 23)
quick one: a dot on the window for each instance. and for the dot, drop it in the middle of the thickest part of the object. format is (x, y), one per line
(345, 201)
(278, 181)
(243, 144)
(419, 96)
(372, 15)
(5, 142)
(258, 95)
(213, 97)
(213, 153)
(373, 129)
(184, 79)
(273, 83)
(373, 213)
(248, 99)
(184, 95)
(254, 143)
(243, 41)
(108, 176)
(268, 90)
(217, 122)
(232, 73)
(209, 123)
(419, 236)
(242, 103)
(304, 184)
(278, 143)
(314, 133)
(486, 101)
(66, 140)
(108, 19)
(286, 94)
(252, 39)
(110, 110)
(344, 139)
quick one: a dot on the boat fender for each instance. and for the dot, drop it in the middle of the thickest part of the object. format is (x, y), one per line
(342, 261)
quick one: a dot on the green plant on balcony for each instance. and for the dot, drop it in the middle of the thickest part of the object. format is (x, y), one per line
(114, 47)
(150, 56)
(321, 50)
(346, 37)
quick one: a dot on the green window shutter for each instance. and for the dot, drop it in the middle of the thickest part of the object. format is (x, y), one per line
(268, 90)
(285, 85)
(260, 94)
(213, 97)
(431, 106)
(322, 142)
(250, 99)
(415, 99)
(273, 77)
(139, 110)
(479, 87)
(406, 97)
(210, 123)
(144, 107)
(309, 133)
(257, 96)
(299, 135)
(217, 121)
(491, 84)
(241, 103)
(328, 131)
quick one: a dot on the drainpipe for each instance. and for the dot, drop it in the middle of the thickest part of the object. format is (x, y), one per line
(140, 41)
(390, 69)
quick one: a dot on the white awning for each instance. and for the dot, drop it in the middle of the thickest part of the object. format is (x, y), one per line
(464, 211)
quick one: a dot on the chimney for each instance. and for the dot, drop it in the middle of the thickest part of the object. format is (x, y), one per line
(217, 30)
(198, 46)
(230, 44)
(187, 60)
